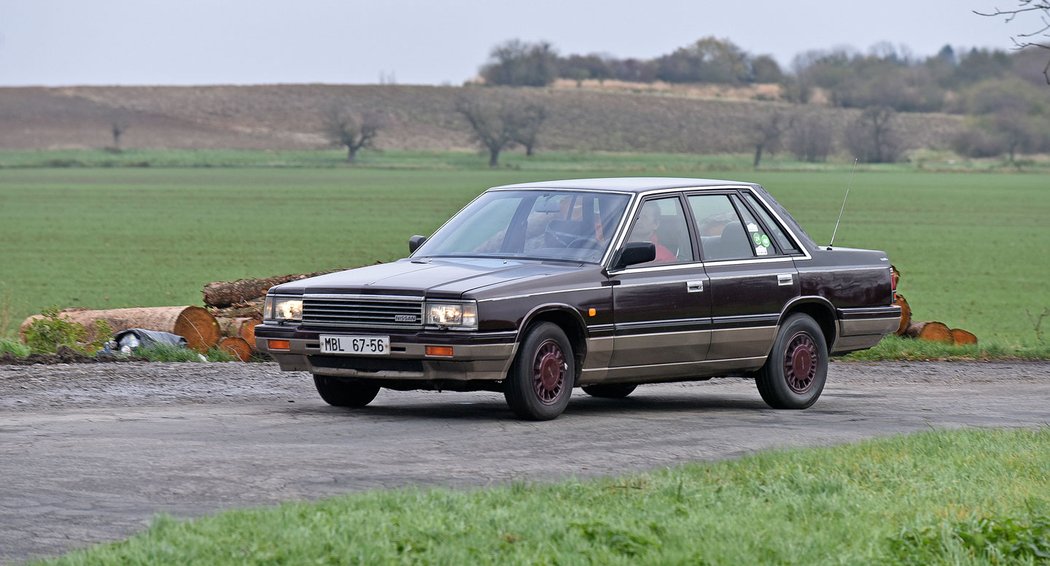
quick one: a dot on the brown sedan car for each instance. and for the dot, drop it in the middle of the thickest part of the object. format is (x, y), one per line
(604, 284)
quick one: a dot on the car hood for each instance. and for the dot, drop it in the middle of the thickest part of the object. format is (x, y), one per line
(448, 278)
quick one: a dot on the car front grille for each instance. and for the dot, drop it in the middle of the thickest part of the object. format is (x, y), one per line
(363, 311)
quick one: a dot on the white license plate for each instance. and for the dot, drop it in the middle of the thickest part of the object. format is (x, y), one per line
(356, 345)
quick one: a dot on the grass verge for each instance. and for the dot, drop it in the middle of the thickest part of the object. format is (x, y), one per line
(558, 160)
(897, 348)
(958, 497)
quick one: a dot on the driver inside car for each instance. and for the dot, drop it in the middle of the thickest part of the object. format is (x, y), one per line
(645, 230)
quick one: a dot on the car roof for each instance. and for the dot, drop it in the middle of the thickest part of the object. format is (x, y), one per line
(627, 184)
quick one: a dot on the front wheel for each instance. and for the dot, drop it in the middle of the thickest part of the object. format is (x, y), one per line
(794, 374)
(542, 376)
(343, 393)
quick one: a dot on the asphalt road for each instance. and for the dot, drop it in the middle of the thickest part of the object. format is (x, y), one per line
(91, 452)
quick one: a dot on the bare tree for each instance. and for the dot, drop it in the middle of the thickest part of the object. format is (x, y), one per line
(497, 122)
(1026, 9)
(528, 120)
(352, 130)
(767, 133)
(810, 138)
(872, 138)
(118, 126)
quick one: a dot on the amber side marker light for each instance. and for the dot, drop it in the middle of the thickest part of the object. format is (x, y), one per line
(444, 351)
(279, 344)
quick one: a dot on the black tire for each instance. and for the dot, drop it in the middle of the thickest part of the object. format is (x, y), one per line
(610, 390)
(797, 368)
(340, 392)
(541, 379)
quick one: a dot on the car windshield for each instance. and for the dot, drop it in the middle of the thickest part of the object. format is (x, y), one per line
(545, 225)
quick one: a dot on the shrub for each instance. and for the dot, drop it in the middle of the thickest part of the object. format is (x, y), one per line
(977, 142)
(45, 335)
(811, 139)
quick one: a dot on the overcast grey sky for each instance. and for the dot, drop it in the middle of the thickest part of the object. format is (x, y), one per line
(77, 42)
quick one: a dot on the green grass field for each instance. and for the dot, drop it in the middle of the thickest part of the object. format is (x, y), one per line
(971, 246)
(963, 497)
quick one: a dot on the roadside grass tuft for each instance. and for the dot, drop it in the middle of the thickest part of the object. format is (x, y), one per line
(13, 347)
(1009, 539)
(53, 331)
(945, 496)
(170, 353)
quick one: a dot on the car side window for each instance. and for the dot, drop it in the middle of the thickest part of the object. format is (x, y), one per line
(781, 237)
(662, 221)
(722, 233)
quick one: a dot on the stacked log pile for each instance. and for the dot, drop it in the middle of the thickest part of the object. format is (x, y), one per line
(929, 331)
(238, 306)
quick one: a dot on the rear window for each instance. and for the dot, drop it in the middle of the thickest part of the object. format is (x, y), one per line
(722, 234)
(779, 235)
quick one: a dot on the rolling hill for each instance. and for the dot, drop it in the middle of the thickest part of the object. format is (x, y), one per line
(421, 117)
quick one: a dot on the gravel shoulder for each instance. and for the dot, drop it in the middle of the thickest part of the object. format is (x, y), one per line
(91, 452)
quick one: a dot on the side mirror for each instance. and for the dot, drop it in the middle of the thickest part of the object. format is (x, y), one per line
(634, 253)
(414, 242)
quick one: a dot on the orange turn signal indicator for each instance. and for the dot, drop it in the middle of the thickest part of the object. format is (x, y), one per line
(279, 344)
(443, 351)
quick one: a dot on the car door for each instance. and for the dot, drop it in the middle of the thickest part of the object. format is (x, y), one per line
(661, 309)
(751, 278)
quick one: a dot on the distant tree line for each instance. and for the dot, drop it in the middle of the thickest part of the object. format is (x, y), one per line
(1003, 94)
(708, 60)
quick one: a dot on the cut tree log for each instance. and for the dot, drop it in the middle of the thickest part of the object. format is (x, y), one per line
(932, 331)
(240, 327)
(962, 337)
(222, 294)
(901, 302)
(236, 346)
(250, 309)
(195, 324)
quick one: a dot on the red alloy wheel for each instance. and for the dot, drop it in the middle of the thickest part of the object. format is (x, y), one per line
(548, 372)
(800, 362)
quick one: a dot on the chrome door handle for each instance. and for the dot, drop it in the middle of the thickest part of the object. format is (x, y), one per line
(694, 286)
(784, 279)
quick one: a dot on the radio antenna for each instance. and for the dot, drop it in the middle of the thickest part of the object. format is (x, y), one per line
(839, 219)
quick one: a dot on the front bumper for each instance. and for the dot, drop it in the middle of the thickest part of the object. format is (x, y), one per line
(476, 356)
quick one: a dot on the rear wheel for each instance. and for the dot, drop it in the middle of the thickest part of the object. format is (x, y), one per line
(542, 376)
(340, 392)
(794, 374)
(610, 390)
